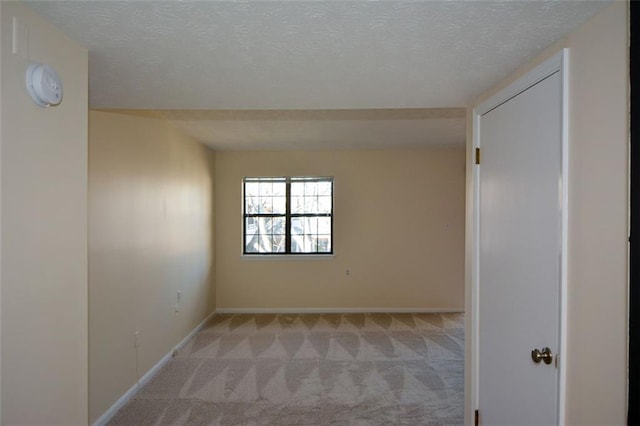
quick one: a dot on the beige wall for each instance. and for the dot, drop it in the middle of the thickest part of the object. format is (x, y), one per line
(150, 236)
(598, 209)
(398, 227)
(43, 231)
(596, 357)
(1, 133)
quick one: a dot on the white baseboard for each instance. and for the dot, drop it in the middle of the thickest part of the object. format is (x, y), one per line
(334, 310)
(148, 375)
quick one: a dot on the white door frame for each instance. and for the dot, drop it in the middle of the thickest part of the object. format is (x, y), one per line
(557, 63)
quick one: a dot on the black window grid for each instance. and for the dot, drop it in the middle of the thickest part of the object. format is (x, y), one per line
(288, 215)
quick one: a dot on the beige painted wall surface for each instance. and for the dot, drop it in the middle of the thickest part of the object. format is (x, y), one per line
(1, 50)
(398, 227)
(598, 208)
(150, 236)
(44, 232)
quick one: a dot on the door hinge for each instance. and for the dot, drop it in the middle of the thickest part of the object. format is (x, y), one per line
(477, 155)
(477, 418)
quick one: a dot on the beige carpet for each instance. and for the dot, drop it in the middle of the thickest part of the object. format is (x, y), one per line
(311, 369)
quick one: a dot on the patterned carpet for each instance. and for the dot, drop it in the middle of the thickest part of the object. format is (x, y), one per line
(311, 369)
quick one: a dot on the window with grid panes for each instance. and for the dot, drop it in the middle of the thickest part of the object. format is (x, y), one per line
(288, 215)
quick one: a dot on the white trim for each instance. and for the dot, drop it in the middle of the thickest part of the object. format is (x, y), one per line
(334, 310)
(564, 268)
(557, 63)
(475, 272)
(102, 420)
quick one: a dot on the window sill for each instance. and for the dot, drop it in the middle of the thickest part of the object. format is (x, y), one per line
(280, 257)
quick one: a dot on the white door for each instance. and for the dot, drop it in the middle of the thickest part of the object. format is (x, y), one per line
(519, 264)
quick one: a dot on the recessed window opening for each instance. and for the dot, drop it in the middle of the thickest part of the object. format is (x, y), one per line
(288, 215)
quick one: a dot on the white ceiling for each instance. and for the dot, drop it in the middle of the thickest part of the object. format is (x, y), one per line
(308, 55)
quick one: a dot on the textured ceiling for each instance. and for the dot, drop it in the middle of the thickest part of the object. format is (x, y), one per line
(306, 54)
(214, 67)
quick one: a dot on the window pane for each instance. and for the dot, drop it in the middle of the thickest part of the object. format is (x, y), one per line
(265, 244)
(265, 205)
(265, 234)
(324, 205)
(310, 188)
(251, 226)
(297, 188)
(298, 225)
(258, 243)
(303, 243)
(278, 242)
(304, 225)
(324, 188)
(311, 234)
(310, 244)
(304, 204)
(324, 243)
(271, 225)
(324, 225)
(252, 188)
(280, 205)
(310, 205)
(297, 203)
(265, 195)
(266, 188)
(280, 189)
(297, 244)
(312, 225)
(251, 204)
(311, 197)
(251, 244)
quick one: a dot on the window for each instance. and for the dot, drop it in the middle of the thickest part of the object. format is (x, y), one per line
(288, 215)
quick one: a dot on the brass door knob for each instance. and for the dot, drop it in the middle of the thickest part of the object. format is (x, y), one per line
(544, 355)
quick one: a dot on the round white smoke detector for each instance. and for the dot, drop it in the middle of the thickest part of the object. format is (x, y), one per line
(44, 85)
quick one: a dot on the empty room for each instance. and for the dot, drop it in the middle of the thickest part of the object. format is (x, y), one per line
(314, 212)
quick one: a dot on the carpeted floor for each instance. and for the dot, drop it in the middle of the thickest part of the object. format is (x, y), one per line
(311, 369)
